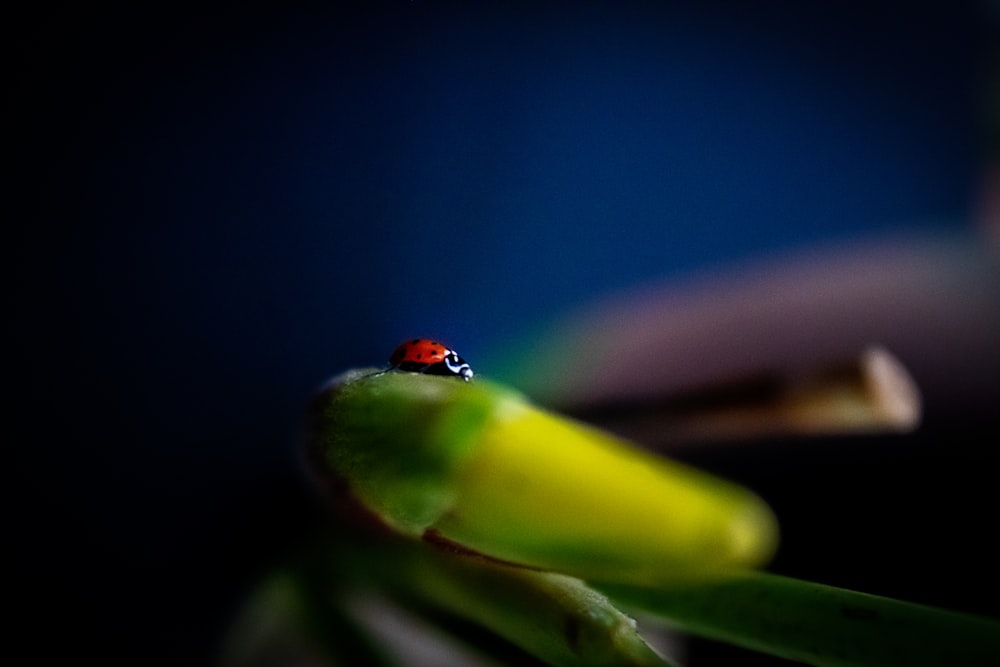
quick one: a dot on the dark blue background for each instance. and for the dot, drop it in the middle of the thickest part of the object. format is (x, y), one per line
(213, 213)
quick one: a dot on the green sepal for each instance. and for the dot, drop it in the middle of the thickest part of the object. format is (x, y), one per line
(399, 439)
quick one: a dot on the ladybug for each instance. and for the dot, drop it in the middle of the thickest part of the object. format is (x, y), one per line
(422, 355)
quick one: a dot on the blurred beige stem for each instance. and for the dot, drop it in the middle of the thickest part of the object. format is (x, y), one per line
(873, 393)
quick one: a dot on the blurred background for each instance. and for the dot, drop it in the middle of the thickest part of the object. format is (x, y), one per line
(214, 212)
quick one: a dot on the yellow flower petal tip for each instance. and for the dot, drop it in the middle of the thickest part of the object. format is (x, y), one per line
(560, 495)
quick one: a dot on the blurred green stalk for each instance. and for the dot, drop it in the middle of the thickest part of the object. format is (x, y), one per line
(818, 624)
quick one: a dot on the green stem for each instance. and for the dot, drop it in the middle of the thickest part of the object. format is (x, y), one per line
(557, 618)
(818, 624)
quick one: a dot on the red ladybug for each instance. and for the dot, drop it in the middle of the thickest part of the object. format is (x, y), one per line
(422, 355)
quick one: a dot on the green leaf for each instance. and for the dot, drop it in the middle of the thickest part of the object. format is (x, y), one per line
(818, 624)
